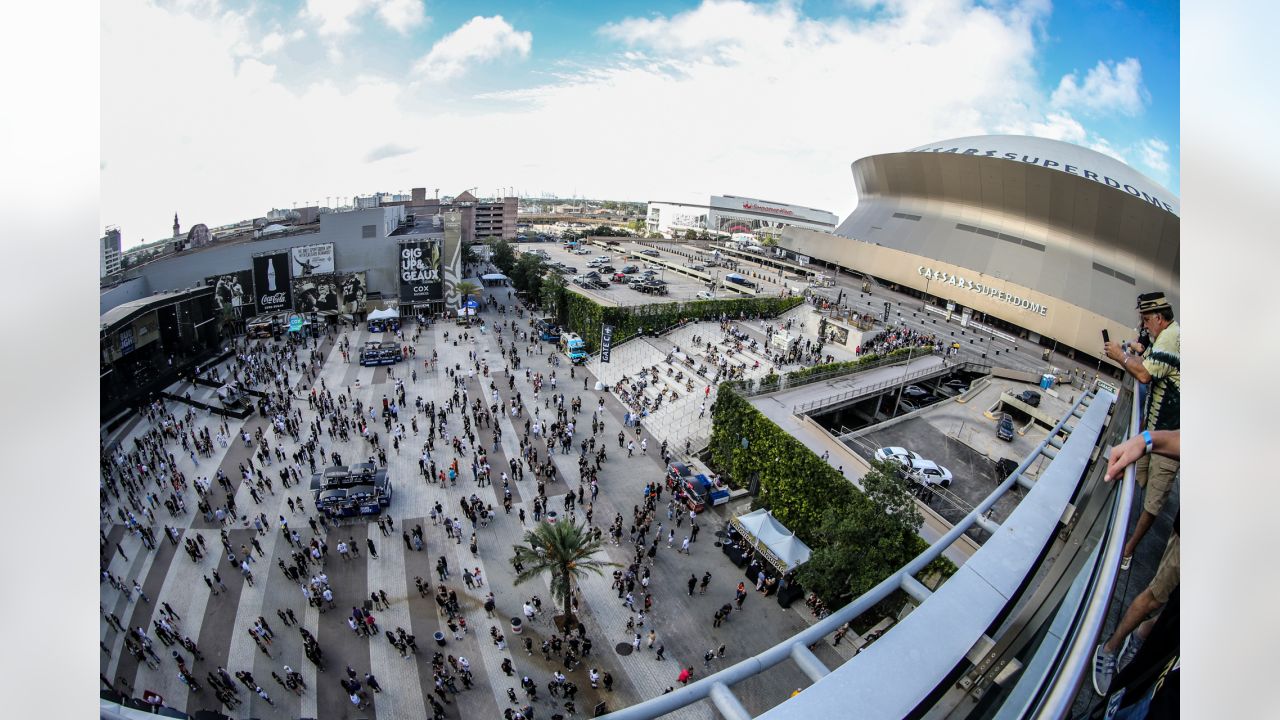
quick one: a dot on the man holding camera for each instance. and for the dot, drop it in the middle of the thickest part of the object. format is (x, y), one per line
(1153, 360)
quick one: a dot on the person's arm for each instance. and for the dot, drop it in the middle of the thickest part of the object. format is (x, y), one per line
(1131, 363)
(1163, 442)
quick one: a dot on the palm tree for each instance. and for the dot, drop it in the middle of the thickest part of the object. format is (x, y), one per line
(466, 288)
(564, 550)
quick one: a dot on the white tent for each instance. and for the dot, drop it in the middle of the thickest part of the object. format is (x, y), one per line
(772, 539)
(384, 314)
(494, 276)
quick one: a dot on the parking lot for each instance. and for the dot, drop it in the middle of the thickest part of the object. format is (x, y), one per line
(960, 437)
(680, 286)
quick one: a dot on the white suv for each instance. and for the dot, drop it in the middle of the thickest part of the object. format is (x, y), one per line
(902, 456)
(929, 472)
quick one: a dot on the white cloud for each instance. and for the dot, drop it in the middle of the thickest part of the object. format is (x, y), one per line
(1108, 88)
(384, 152)
(728, 97)
(480, 39)
(337, 17)
(402, 15)
(1059, 126)
(1154, 153)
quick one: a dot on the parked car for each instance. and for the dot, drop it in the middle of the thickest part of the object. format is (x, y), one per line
(603, 258)
(582, 251)
(630, 269)
(705, 295)
(1004, 428)
(597, 262)
(957, 384)
(1030, 397)
(928, 472)
(907, 405)
(650, 252)
(570, 269)
(619, 278)
(915, 392)
(607, 270)
(900, 455)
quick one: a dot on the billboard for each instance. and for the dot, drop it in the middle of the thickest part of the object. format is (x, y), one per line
(234, 291)
(419, 270)
(271, 282)
(329, 294)
(312, 259)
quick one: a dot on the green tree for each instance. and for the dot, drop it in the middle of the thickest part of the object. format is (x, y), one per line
(551, 294)
(504, 256)
(768, 241)
(527, 273)
(690, 234)
(859, 544)
(466, 288)
(563, 551)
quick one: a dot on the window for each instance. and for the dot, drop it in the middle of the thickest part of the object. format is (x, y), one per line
(369, 231)
(1114, 273)
(907, 216)
(1002, 236)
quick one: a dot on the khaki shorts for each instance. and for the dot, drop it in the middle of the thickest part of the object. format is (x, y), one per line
(1167, 574)
(1155, 473)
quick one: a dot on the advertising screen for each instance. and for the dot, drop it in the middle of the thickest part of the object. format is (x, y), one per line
(271, 282)
(419, 268)
(235, 291)
(312, 259)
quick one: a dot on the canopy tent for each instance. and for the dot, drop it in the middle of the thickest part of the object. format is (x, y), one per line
(384, 314)
(494, 276)
(772, 539)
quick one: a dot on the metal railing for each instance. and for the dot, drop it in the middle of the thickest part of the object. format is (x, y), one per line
(716, 686)
(1077, 659)
(943, 369)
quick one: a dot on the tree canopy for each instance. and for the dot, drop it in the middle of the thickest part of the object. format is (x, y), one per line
(564, 551)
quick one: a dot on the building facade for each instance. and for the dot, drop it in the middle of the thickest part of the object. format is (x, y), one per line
(109, 252)
(368, 249)
(1041, 238)
(726, 215)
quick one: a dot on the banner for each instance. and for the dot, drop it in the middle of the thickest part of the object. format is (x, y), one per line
(235, 291)
(271, 282)
(330, 294)
(606, 342)
(886, 312)
(312, 259)
(420, 272)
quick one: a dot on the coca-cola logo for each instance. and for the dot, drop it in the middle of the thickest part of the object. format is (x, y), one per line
(272, 299)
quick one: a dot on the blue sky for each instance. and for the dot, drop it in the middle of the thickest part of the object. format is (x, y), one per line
(222, 109)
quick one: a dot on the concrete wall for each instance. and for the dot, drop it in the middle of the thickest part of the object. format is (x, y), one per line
(127, 291)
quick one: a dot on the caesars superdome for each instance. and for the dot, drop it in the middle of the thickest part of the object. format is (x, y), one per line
(1048, 239)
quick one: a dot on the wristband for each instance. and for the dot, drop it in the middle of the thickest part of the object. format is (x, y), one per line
(1146, 438)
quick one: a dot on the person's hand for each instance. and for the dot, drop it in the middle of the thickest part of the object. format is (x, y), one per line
(1124, 455)
(1113, 350)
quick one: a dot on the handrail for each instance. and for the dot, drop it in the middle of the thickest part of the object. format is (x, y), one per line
(789, 648)
(870, 389)
(1079, 655)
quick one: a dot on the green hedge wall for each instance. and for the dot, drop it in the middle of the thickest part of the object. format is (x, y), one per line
(850, 365)
(802, 490)
(585, 316)
(797, 485)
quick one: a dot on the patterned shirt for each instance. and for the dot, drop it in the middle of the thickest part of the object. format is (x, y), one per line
(1164, 397)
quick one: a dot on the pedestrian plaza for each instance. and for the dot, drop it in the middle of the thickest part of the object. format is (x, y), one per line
(220, 623)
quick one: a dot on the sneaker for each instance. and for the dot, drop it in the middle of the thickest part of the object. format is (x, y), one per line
(1132, 644)
(1104, 669)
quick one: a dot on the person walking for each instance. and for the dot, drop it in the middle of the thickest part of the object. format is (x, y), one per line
(693, 581)
(373, 551)
(684, 676)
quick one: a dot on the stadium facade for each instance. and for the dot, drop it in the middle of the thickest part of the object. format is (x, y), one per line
(1040, 238)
